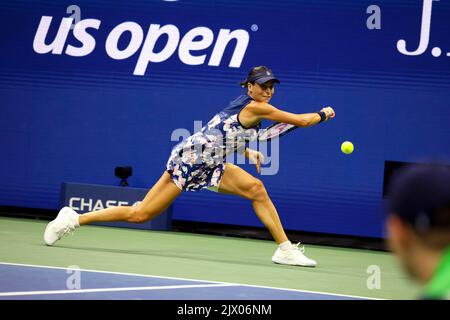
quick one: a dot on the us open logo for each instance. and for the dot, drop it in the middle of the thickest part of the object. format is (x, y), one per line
(142, 43)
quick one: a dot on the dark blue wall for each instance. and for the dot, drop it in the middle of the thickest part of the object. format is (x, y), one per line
(74, 119)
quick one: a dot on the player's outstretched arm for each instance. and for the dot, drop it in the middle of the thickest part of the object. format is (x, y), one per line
(267, 111)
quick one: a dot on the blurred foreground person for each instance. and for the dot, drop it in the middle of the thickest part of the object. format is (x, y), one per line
(418, 226)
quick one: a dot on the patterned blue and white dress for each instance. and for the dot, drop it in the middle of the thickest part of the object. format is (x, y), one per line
(199, 161)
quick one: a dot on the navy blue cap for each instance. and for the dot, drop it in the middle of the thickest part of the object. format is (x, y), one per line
(261, 75)
(419, 193)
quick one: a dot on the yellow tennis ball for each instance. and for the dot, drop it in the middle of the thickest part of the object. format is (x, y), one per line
(347, 147)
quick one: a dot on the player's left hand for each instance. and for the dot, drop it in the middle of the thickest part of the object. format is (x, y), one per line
(255, 157)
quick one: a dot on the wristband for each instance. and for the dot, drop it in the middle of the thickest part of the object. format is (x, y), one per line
(323, 116)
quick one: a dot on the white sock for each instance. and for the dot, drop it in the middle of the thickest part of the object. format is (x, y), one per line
(285, 245)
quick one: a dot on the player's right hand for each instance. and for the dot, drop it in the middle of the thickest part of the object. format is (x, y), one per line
(329, 112)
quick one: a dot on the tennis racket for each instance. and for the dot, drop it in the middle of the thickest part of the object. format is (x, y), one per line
(275, 130)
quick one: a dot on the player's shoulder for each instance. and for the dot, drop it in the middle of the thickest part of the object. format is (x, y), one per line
(259, 108)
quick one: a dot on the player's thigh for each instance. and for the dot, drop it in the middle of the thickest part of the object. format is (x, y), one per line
(236, 180)
(162, 194)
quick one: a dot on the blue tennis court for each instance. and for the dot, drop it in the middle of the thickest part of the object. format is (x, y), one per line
(34, 282)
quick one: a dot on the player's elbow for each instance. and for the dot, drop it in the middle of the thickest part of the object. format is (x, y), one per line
(302, 123)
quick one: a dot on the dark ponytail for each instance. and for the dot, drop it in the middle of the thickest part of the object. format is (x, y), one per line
(244, 84)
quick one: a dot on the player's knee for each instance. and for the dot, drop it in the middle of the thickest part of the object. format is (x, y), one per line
(257, 190)
(140, 214)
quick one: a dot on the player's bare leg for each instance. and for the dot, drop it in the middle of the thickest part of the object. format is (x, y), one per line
(160, 196)
(239, 182)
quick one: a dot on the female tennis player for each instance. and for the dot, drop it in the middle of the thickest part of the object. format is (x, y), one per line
(199, 162)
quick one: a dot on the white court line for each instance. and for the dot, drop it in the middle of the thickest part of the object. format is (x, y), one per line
(196, 280)
(31, 293)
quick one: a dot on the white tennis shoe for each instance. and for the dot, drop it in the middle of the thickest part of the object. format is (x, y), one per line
(293, 256)
(65, 223)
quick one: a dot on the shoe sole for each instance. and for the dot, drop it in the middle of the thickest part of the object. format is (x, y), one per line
(295, 265)
(45, 232)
